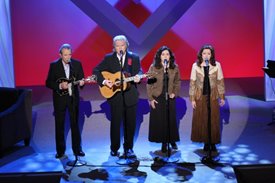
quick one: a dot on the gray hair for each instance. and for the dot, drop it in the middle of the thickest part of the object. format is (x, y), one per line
(120, 38)
(65, 46)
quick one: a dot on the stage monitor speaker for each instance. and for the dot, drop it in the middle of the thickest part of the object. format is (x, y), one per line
(262, 173)
(31, 177)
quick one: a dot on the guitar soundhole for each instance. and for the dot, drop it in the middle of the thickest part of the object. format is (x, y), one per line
(117, 82)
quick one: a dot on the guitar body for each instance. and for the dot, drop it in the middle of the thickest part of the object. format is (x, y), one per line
(115, 78)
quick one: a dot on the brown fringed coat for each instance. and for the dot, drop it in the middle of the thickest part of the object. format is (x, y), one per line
(200, 118)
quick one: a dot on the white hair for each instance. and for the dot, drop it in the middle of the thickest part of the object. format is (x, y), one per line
(120, 38)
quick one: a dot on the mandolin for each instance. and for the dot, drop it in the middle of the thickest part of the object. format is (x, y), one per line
(89, 79)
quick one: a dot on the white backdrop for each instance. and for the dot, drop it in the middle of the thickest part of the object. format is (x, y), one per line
(6, 54)
(269, 21)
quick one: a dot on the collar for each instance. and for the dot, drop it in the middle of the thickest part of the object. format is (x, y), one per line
(123, 56)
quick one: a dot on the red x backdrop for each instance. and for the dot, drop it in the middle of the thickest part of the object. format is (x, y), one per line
(233, 27)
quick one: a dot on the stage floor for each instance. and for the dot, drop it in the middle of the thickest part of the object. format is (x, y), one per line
(247, 138)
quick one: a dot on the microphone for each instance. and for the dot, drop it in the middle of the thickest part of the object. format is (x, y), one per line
(206, 62)
(121, 53)
(121, 61)
(165, 65)
(165, 62)
(207, 66)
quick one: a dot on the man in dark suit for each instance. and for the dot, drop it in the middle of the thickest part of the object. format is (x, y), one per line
(66, 97)
(124, 102)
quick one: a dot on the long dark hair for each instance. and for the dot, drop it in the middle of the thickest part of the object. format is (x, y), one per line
(157, 60)
(212, 59)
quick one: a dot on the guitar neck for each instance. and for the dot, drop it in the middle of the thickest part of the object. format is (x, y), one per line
(129, 79)
(88, 79)
(76, 82)
(133, 77)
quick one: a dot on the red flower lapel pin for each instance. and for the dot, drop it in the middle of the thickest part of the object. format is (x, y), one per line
(129, 61)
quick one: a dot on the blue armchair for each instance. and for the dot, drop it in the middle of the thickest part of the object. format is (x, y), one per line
(15, 117)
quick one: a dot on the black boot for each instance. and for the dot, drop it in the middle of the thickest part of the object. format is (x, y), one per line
(213, 148)
(174, 146)
(206, 147)
(164, 147)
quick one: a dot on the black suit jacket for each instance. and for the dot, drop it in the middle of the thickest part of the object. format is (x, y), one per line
(57, 71)
(111, 64)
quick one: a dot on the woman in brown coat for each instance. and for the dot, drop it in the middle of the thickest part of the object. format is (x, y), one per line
(164, 65)
(199, 91)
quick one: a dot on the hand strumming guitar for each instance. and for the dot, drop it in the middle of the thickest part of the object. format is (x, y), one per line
(108, 83)
(64, 85)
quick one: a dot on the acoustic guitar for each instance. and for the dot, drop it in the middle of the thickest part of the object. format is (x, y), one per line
(89, 79)
(115, 78)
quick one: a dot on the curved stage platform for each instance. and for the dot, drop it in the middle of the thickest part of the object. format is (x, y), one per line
(247, 139)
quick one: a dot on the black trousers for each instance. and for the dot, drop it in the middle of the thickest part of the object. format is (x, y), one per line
(127, 115)
(60, 108)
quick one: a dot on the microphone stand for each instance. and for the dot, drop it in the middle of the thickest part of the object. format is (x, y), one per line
(208, 159)
(77, 162)
(124, 160)
(167, 159)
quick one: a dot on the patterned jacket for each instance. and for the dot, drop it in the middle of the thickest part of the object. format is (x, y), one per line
(216, 82)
